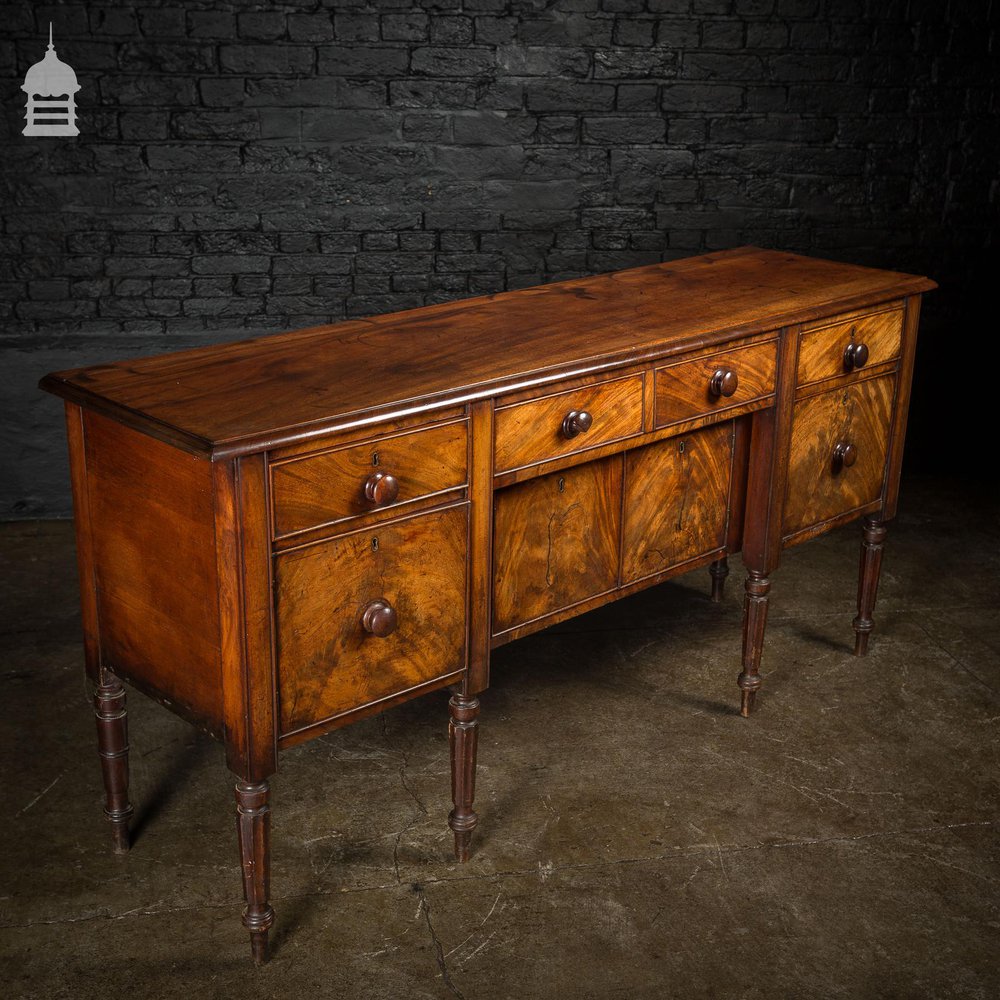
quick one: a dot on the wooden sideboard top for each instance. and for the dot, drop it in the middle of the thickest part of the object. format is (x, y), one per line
(241, 397)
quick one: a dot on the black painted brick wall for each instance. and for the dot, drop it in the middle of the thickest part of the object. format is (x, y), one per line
(268, 166)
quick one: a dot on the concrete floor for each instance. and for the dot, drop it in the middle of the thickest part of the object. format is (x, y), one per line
(637, 839)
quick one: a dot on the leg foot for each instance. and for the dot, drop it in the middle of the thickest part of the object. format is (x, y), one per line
(718, 571)
(112, 748)
(463, 735)
(872, 541)
(253, 827)
(754, 619)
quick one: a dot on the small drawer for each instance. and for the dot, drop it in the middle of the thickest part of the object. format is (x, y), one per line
(725, 381)
(567, 422)
(358, 479)
(842, 345)
(369, 615)
(837, 455)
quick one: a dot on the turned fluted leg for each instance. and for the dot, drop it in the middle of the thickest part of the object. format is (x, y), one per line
(253, 827)
(463, 734)
(112, 747)
(718, 571)
(754, 620)
(872, 542)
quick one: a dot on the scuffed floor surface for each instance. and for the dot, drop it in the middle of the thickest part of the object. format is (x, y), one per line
(637, 838)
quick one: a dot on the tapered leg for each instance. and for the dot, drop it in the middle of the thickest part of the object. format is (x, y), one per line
(754, 620)
(872, 541)
(112, 747)
(463, 735)
(253, 826)
(719, 570)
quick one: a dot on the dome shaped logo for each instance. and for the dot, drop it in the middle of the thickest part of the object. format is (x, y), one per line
(51, 87)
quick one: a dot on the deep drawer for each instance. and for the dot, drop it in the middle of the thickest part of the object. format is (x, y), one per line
(567, 422)
(838, 451)
(716, 382)
(328, 661)
(849, 343)
(357, 479)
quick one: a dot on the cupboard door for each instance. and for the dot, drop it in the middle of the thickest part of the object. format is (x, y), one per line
(555, 541)
(838, 451)
(676, 500)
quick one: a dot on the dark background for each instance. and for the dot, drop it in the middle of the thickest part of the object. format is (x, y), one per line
(267, 166)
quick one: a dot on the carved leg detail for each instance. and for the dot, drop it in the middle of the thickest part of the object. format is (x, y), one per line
(463, 735)
(872, 542)
(719, 570)
(754, 620)
(253, 827)
(112, 747)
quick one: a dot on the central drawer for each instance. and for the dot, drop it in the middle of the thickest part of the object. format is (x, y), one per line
(568, 422)
(369, 615)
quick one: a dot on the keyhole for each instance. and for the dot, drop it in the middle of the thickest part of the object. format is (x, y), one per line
(375, 544)
(680, 448)
(562, 485)
(375, 458)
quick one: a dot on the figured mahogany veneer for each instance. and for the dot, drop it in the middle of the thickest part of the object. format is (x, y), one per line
(280, 536)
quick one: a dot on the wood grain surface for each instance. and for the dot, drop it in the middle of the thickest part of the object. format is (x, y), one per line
(240, 397)
(821, 351)
(683, 389)
(327, 663)
(859, 414)
(676, 500)
(555, 541)
(533, 431)
(328, 488)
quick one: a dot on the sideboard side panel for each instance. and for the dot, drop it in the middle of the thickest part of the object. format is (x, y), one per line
(153, 539)
(480, 547)
(902, 404)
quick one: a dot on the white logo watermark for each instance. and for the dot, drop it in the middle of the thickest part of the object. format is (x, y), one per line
(51, 87)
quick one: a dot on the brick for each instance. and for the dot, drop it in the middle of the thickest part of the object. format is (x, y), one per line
(356, 27)
(230, 263)
(215, 125)
(722, 66)
(624, 130)
(261, 25)
(314, 27)
(703, 98)
(493, 129)
(266, 59)
(211, 24)
(633, 31)
(166, 57)
(363, 61)
(451, 30)
(631, 63)
(412, 26)
(570, 96)
(551, 61)
(445, 62)
(567, 29)
(351, 126)
(194, 157)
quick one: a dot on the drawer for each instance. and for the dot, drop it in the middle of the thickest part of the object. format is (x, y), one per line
(826, 478)
(716, 382)
(848, 343)
(357, 479)
(567, 422)
(676, 500)
(555, 541)
(328, 663)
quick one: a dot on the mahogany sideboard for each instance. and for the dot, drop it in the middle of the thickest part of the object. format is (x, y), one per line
(280, 536)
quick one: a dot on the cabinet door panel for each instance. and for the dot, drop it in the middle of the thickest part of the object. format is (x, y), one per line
(556, 541)
(676, 500)
(821, 486)
(328, 662)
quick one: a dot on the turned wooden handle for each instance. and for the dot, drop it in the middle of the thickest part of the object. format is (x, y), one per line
(381, 488)
(724, 382)
(379, 618)
(576, 422)
(845, 455)
(855, 356)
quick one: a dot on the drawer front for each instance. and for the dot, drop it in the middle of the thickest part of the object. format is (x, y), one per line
(541, 429)
(328, 662)
(848, 344)
(824, 479)
(331, 486)
(676, 500)
(555, 541)
(720, 381)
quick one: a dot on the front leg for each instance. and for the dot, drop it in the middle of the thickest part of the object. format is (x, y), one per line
(112, 748)
(872, 541)
(754, 619)
(253, 827)
(463, 735)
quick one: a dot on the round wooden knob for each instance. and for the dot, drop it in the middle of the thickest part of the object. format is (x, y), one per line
(845, 455)
(381, 488)
(576, 422)
(379, 618)
(724, 382)
(855, 356)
